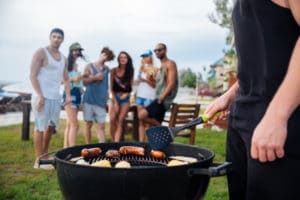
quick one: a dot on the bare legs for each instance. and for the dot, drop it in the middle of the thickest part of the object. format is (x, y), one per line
(42, 140)
(88, 132)
(112, 110)
(143, 120)
(120, 120)
(38, 143)
(100, 132)
(141, 115)
(72, 127)
(117, 116)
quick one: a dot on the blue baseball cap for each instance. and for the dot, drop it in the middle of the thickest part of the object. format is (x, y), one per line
(146, 54)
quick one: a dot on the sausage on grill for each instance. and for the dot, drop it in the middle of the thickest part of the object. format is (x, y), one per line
(157, 154)
(91, 152)
(139, 151)
(111, 153)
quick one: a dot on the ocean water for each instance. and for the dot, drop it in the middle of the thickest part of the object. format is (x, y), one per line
(16, 87)
(183, 95)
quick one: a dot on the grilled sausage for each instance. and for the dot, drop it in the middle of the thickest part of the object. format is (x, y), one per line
(139, 151)
(111, 153)
(157, 154)
(91, 152)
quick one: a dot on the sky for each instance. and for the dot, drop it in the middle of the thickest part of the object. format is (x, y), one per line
(131, 25)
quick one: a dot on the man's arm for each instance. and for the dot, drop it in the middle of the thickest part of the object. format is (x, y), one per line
(295, 8)
(36, 64)
(88, 76)
(67, 82)
(170, 80)
(270, 135)
(288, 94)
(222, 104)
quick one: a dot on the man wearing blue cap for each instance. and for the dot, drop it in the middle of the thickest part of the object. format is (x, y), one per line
(165, 90)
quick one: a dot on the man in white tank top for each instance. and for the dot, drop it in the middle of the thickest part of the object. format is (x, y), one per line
(48, 69)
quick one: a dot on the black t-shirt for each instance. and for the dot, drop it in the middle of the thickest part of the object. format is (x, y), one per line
(265, 36)
(121, 84)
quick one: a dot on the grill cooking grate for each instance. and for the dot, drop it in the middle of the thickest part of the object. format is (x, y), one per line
(135, 161)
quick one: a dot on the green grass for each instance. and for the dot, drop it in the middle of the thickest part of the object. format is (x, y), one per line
(19, 181)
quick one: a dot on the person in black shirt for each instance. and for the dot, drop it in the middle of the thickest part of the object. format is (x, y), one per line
(121, 82)
(263, 136)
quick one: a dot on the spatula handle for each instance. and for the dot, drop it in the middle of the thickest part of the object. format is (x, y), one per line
(195, 122)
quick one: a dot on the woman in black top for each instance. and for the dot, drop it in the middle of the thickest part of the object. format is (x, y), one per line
(263, 139)
(121, 81)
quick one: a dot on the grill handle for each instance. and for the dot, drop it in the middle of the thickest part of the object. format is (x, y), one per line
(217, 169)
(47, 161)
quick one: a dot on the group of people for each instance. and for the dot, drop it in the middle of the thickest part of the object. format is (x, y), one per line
(98, 89)
(262, 106)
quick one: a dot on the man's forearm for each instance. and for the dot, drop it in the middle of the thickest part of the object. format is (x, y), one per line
(232, 91)
(287, 97)
(88, 80)
(36, 86)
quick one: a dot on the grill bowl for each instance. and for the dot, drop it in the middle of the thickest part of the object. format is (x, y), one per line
(146, 182)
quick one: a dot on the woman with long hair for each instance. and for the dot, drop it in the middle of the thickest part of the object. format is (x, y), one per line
(121, 81)
(145, 92)
(72, 125)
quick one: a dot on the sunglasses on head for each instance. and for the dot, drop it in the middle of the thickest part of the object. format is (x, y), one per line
(158, 50)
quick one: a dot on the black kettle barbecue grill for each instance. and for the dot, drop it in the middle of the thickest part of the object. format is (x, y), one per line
(147, 179)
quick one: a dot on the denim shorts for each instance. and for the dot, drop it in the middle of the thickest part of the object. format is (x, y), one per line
(48, 116)
(93, 113)
(75, 98)
(122, 101)
(140, 101)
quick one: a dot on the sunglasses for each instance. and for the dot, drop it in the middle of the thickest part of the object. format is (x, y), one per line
(158, 50)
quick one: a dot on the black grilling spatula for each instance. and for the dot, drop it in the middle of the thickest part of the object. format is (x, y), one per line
(161, 136)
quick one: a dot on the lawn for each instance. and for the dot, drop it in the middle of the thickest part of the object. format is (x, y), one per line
(19, 181)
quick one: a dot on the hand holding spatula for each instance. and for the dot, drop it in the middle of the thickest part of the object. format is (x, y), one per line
(161, 136)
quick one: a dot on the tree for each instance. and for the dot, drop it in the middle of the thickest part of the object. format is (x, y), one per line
(222, 17)
(187, 78)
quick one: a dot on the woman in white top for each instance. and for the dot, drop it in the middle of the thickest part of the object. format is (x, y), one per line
(145, 93)
(146, 85)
